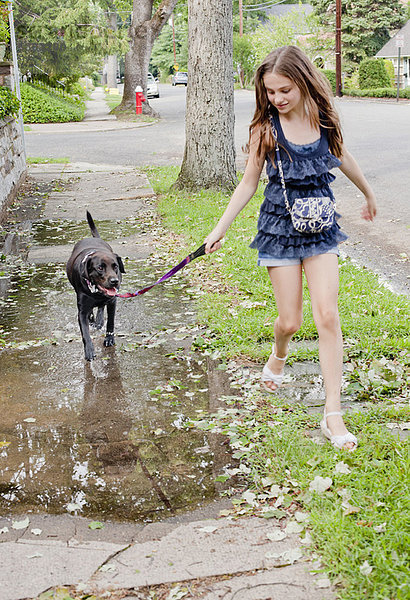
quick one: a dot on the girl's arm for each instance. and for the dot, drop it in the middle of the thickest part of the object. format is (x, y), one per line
(352, 170)
(240, 198)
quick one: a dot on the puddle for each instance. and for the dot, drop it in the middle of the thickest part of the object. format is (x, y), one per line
(56, 232)
(105, 439)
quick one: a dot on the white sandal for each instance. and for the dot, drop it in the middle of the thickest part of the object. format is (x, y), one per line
(268, 376)
(338, 441)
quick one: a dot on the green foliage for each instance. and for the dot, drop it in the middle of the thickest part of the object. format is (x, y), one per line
(366, 25)
(331, 76)
(390, 70)
(4, 22)
(40, 106)
(373, 74)
(162, 56)
(242, 56)
(66, 37)
(76, 89)
(379, 93)
(9, 103)
(285, 30)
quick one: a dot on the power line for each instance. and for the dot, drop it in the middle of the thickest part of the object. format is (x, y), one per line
(262, 6)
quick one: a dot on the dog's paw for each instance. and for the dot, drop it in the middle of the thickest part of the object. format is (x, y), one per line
(89, 353)
(109, 340)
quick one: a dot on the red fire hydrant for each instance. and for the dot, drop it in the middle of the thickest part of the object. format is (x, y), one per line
(139, 99)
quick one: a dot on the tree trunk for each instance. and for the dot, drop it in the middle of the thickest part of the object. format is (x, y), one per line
(144, 30)
(112, 62)
(209, 157)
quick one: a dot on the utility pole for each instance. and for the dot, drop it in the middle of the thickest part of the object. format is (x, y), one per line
(240, 18)
(339, 48)
(173, 39)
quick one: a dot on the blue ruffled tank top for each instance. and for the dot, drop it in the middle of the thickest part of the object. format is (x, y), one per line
(307, 173)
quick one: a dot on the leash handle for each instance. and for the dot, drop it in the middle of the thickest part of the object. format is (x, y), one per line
(198, 252)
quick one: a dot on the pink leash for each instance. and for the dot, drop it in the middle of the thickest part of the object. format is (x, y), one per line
(199, 252)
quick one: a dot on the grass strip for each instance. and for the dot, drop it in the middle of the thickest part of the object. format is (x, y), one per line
(359, 522)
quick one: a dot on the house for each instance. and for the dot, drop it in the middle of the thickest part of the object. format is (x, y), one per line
(390, 51)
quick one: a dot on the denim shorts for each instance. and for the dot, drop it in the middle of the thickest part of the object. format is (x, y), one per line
(265, 260)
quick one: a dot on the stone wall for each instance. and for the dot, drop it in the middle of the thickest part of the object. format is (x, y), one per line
(13, 166)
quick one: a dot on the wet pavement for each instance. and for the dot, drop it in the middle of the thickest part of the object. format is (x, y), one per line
(105, 439)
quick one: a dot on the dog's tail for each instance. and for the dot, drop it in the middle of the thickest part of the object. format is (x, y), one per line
(91, 223)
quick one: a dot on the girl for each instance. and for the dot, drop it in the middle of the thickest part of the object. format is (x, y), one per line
(294, 108)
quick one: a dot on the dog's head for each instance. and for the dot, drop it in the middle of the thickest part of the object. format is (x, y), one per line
(102, 272)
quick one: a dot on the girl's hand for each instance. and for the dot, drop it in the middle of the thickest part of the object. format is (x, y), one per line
(369, 210)
(213, 241)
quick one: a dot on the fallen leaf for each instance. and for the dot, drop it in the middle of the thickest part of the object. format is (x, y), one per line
(320, 484)
(35, 555)
(177, 593)
(71, 507)
(29, 420)
(108, 568)
(365, 568)
(274, 513)
(307, 540)
(4, 444)
(378, 528)
(276, 535)
(301, 517)
(350, 510)
(208, 529)
(293, 527)
(284, 558)
(21, 524)
(96, 525)
(323, 583)
(341, 467)
(249, 497)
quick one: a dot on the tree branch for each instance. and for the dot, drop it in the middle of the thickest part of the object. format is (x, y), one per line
(161, 15)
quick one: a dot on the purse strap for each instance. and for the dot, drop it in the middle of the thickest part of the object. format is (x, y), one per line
(280, 168)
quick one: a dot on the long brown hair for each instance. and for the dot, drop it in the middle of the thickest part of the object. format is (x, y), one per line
(292, 63)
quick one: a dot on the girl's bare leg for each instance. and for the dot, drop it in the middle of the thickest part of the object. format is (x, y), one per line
(287, 287)
(322, 274)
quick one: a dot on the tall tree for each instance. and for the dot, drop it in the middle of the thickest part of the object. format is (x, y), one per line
(366, 24)
(209, 157)
(146, 26)
(63, 37)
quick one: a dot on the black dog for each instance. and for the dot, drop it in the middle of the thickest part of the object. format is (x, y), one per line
(94, 271)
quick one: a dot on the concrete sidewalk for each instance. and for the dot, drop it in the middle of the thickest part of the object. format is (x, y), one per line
(212, 556)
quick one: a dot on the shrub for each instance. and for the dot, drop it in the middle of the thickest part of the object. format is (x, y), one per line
(77, 89)
(9, 103)
(373, 74)
(390, 70)
(40, 106)
(331, 76)
(389, 92)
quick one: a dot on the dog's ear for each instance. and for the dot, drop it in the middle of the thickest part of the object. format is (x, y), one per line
(120, 263)
(85, 265)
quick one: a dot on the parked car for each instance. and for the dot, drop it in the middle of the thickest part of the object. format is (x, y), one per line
(180, 78)
(152, 87)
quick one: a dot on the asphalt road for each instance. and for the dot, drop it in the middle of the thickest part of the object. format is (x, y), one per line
(376, 132)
